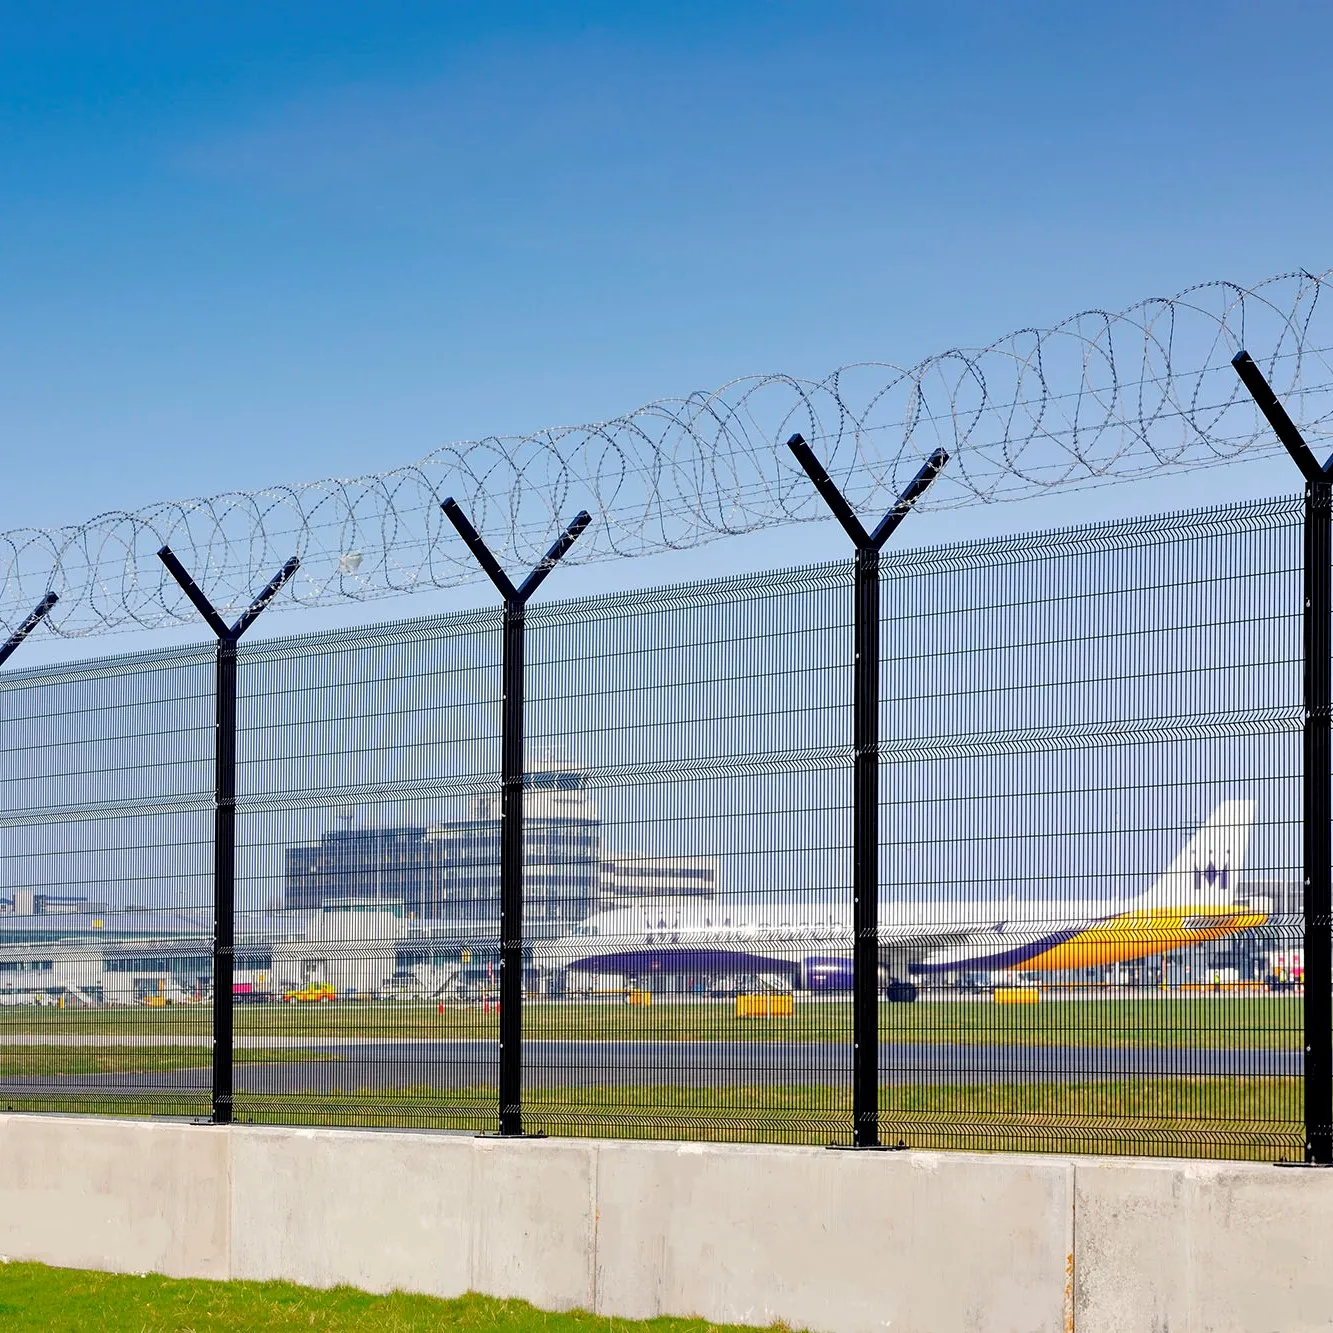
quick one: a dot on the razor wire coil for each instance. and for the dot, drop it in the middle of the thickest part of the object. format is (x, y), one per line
(1098, 397)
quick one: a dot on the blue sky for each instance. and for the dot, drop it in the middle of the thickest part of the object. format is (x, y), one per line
(256, 243)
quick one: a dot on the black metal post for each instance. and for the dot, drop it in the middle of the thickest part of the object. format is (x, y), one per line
(511, 798)
(35, 618)
(224, 881)
(511, 870)
(224, 818)
(1318, 942)
(1317, 791)
(865, 851)
(865, 776)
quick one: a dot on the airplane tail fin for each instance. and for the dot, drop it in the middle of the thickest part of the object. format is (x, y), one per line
(1204, 877)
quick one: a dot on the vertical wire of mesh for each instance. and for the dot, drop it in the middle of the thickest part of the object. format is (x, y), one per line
(368, 877)
(1092, 798)
(106, 896)
(1090, 905)
(689, 862)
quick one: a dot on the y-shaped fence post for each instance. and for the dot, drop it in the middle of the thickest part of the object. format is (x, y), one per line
(224, 825)
(511, 799)
(865, 777)
(35, 618)
(1317, 796)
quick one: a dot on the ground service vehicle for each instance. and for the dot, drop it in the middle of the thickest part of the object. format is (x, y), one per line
(313, 992)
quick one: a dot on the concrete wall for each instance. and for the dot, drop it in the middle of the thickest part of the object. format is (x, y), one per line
(911, 1242)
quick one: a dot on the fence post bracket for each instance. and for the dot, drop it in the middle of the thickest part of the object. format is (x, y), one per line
(511, 799)
(35, 618)
(1317, 753)
(224, 826)
(865, 775)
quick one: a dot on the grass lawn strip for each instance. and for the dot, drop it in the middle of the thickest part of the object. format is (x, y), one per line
(1232, 1118)
(1242, 1118)
(1214, 1022)
(53, 1061)
(34, 1297)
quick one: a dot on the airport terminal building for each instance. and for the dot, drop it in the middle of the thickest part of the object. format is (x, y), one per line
(367, 911)
(158, 956)
(449, 872)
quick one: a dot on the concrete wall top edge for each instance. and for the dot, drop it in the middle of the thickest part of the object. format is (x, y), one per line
(131, 1124)
(910, 1160)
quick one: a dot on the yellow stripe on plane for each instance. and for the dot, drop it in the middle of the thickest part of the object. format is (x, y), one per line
(1140, 934)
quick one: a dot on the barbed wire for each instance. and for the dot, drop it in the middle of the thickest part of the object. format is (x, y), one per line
(1099, 397)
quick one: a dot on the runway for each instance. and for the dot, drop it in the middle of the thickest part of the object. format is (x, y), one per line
(371, 1066)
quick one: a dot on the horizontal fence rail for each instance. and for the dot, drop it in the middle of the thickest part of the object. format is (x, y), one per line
(1090, 926)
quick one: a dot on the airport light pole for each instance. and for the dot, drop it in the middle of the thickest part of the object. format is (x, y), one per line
(224, 823)
(511, 797)
(35, 618)
(865, 776)
(1317, 794)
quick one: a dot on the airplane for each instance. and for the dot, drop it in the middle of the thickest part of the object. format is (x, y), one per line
(808, 938)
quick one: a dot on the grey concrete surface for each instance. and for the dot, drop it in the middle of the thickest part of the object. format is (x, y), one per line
(1202, 1247)
(371, 1210)
(846, 1242)
(440, 1214)
(535, 1220)
(121, 1196)
(857, 1242)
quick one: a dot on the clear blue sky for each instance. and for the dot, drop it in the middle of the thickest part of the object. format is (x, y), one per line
(250, 243)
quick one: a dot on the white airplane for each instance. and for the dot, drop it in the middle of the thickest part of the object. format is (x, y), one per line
(809, 938)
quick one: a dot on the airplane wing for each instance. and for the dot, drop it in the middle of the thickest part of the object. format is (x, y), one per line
(993, 946)
(922, 949)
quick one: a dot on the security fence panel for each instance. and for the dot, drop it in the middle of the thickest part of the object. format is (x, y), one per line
(1091, 921)
(689, 862)
(105, 886)
(1092, 874)
(367, 923)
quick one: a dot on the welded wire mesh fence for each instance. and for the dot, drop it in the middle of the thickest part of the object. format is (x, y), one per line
(106, 824)
(1091, 918)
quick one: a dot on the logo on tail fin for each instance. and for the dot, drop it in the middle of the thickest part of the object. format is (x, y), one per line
(1207, 869)
(1212, 876)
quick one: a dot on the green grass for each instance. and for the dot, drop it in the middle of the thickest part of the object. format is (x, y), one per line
(1256, 1118)
(53, 1061)
(34, 1297)
(1250, 1022)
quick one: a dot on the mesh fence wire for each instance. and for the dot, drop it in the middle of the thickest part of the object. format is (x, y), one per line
(1063, 714)
(709, 728)
(368, 885)
(106, 938)
(1090, 905)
